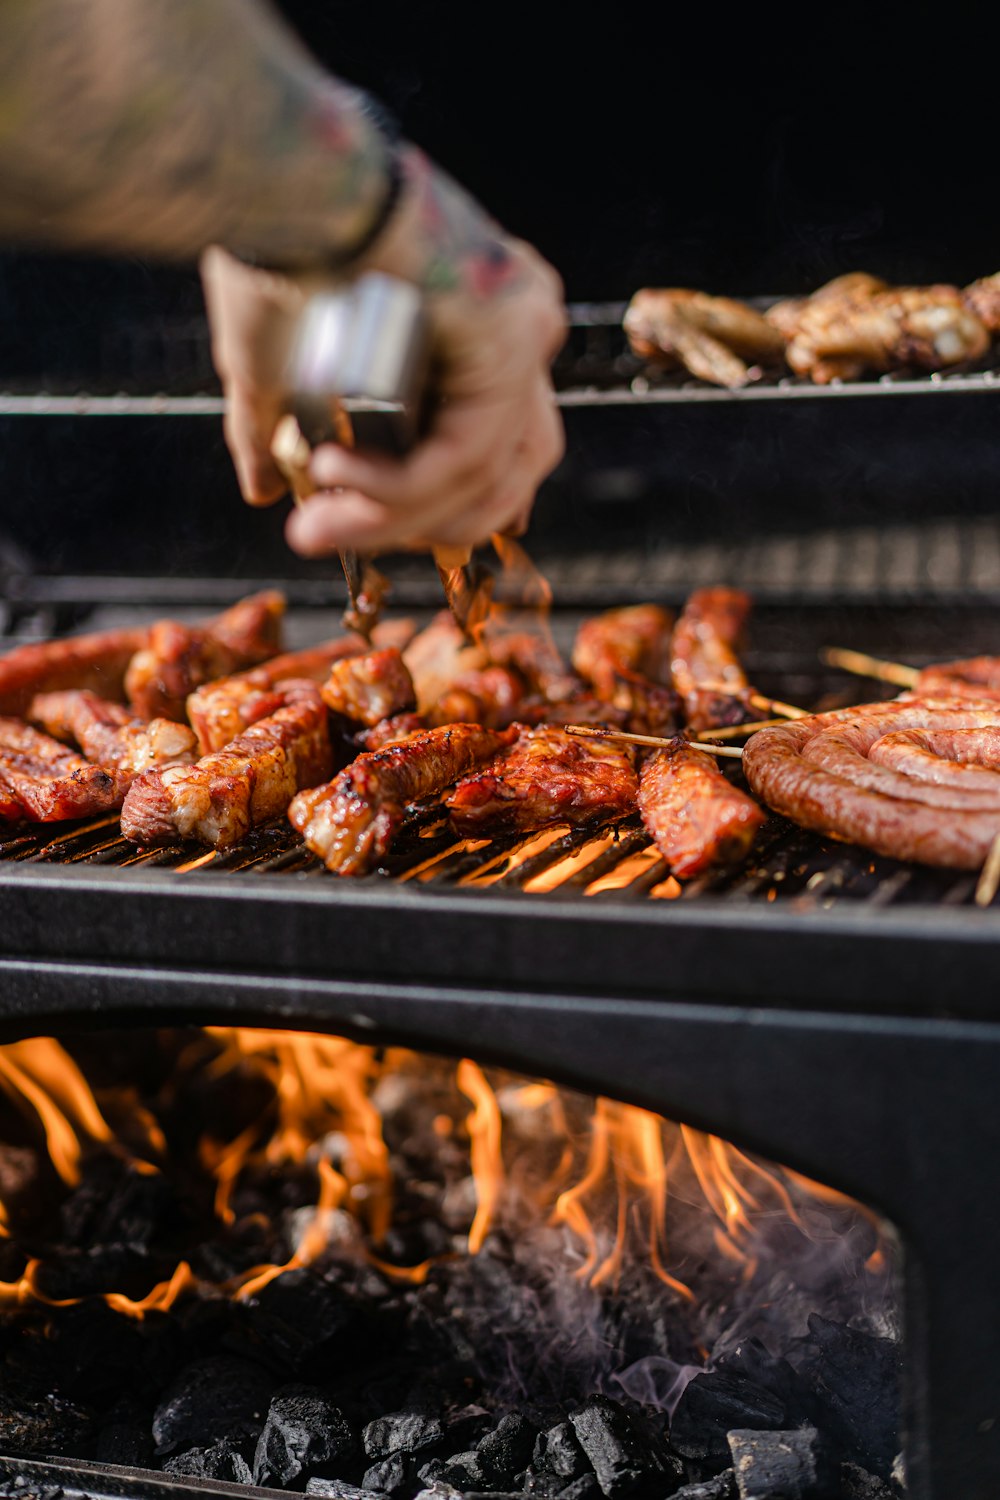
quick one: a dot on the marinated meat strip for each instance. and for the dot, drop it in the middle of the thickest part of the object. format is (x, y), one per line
(222, 796)
(855, 774)
(44, 782)
(179, 658)
(219, 711)
(625, 653)
(492, 697)
(369, 688)
(439, 655)
(351, 822)
(705, 666)
(97, 661)
(547, 776)
(533, 656)
(696, 817)
(112, 737)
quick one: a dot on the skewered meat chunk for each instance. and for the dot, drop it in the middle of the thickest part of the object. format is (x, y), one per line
(533, 656)
(222, 796)
(219, 711)
(97, 661)
(179, 658)
(625, 653)
(110, 736)
(712, 337)
(928, 327)
(696, 817)
(44, 782)
(633, 639)
(351, 822)
(369, 688)
(705, 666)
(853, 776)
(547, 776)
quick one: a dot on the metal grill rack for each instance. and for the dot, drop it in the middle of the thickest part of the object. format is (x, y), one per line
(165, 369)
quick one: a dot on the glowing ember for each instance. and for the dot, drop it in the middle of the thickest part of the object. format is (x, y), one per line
(625, 874)
(557, 874)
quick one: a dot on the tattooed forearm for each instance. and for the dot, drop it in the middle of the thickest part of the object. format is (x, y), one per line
(165, 126)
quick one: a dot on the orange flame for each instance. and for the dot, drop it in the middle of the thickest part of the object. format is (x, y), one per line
(608, 1178)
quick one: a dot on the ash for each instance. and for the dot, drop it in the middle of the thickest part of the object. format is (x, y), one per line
(535, 1327)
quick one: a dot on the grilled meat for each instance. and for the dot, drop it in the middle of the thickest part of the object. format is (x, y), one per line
(110, 736)
(98, 662)
(983, 297)
(389, 731)
(855, 775)
(44, 782)
(695, 816)
(437, 656)
(860, 330)
(369, 688)
(712, 337)
(492, 697)
(179, 658)
(547, 776)
(219, 711)
(625, 654)
(976, 677)
(533, 656)
(222, 796)
(351, 822)
(704, 664)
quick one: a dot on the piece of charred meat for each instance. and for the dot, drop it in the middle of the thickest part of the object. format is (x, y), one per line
(369, 688)
(492, 696)
(546, 776)
(222, 796)
(179, 658)
(112, 737)
(705, 664)
(389, 731)
(859, 329)
(437, 656)
(696, 818)
(44, 782)
(97, 662)
(712, 337)
(625, 655)
(351, 822)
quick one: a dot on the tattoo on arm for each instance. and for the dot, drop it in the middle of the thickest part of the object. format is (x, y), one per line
(159, 128)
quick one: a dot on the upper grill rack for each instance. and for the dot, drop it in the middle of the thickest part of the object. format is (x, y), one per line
(166, 370)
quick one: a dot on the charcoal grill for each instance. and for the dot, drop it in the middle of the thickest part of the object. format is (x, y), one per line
(833, 1011)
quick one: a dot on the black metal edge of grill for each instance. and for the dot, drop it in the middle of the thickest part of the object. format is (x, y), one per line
(81, 1480)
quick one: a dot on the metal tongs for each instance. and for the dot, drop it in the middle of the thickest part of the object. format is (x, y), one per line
(358, 376)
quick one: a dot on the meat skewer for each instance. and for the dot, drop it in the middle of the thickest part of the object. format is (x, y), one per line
(351, 822)
(656, 741)
(179, 658)
(225, 794)
(973, 676)
(625, 654)
(546, 776)
(705, 665)
(44, 782)
(111, 737)
(97, 662)
(369, 688)
(695, 816)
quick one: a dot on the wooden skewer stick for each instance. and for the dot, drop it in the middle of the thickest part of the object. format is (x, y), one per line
(863, 665)
(775, 706)
(596, 732)
(989, 878)
(737, 731)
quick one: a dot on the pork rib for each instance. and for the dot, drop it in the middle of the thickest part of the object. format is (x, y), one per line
(547, 776)
(178, 658)
(44, 782)
(222, 796)
(110, 736)
(351, 822)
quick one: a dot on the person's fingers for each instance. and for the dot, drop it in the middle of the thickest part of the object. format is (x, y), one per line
(249, 426)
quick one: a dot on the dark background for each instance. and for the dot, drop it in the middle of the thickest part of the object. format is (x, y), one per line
(755, 152)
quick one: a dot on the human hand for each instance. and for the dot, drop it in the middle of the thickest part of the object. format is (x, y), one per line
(496, 319)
